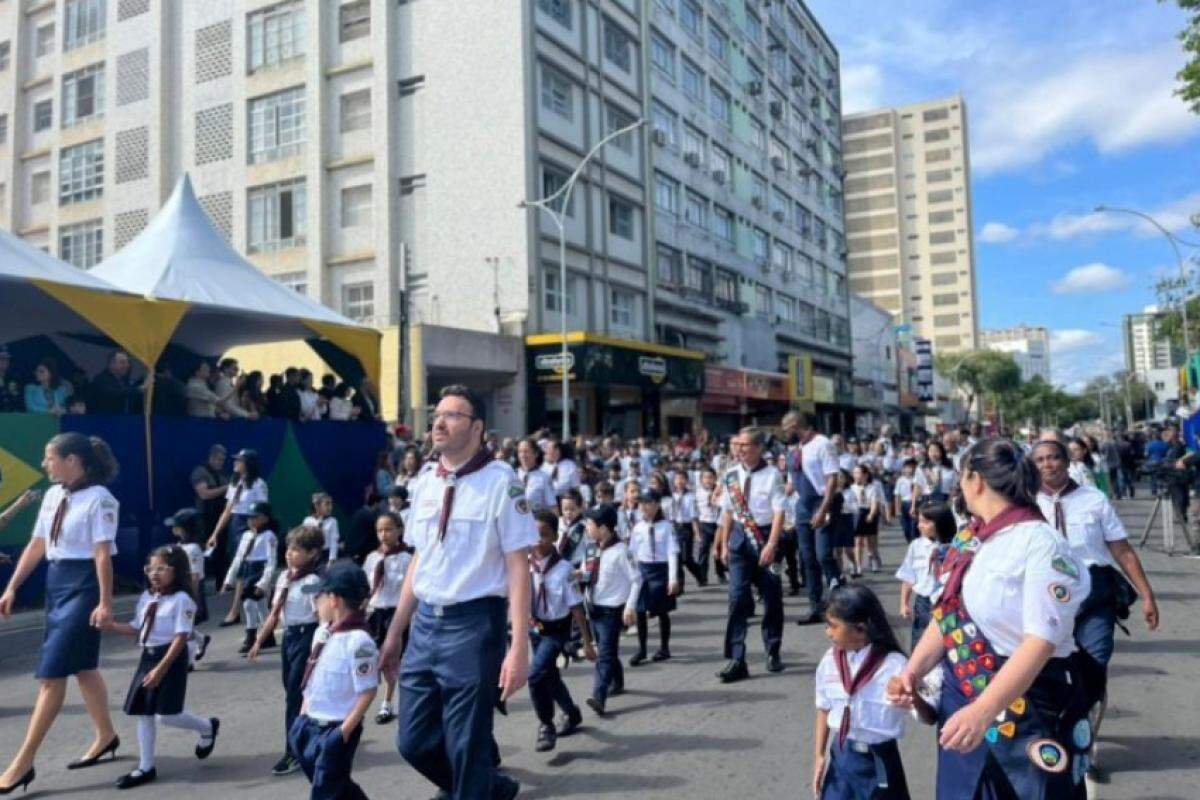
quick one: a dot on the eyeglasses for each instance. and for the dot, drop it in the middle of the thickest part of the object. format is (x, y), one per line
(451, 416)
(159, 570)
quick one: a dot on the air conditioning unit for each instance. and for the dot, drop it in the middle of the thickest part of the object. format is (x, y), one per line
(830, 83)
(776, 108)
(719, 175)
(754, 87)
(777, 162)
(757, 202)
(815, 102)
(777, 216)
(798, 80)
(805, 172)
(660, 138)
(691, 159)
(811, 144)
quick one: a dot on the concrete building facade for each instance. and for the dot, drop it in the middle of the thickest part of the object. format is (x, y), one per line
(1145, 351)
(908, 218)
(1028, 345)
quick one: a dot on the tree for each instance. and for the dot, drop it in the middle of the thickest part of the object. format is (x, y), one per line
(980, 373)
(1189, 76)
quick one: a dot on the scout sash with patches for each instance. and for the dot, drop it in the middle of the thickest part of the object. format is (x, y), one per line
(741, 508)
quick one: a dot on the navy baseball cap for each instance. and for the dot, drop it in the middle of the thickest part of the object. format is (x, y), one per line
(650, 496)
(261, 507)
(604, 514)
(243, 453)
(346, 580)
(181, 518)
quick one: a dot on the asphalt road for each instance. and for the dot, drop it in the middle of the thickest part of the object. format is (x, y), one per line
(676, 733)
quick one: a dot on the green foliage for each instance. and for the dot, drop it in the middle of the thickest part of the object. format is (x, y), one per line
(1189, 76)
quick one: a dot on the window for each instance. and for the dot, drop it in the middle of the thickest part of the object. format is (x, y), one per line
(723, 223)
(81, 172)
(720, 160)
(43, 115)
(552, 181)
(557, 10)
(621, 308)
(84, 23)
(695, 211)
(276, 125)
(554, 294)
(939, 135)
(693, 141)
(83, 94)
(938, 176)
(693, 80)
(43, 43)
(753, 27)
(725, 286)
(39, 188)
(697, 276)
(665, 120)
(690, 17)
(618, 119)
(5, 55)
(81, 244)
(781, 257)
(936, 114)
(761, 246)
(759, 189)
(356, 110)
(617, 45)
(620, 218)
(758, 135)
(662, 54)
(276, 216)
(354, 20)
(3, 128)
(762, 301)
(557, 94)
(666, 193)
(274, 35)
(356, 206)
(718, 103)
(358, 301)
(785, 307)
(718, 43)
(669, 268)
(296, 281)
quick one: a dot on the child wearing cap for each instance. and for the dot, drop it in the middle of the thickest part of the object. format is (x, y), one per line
(613, 587)
(254, 566)
(340, 681)
(187, 526)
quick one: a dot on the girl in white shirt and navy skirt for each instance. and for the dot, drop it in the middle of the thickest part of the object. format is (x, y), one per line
(613, 587)
(163, 624)
(323, 520)
(254, 567)
(854, 718)
(246, 490)
(922, 563)
(656, 551)
(386, 568)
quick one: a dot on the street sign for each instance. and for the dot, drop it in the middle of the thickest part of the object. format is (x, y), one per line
(653, 367)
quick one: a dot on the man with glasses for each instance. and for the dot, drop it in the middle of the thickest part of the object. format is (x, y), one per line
(470, 524)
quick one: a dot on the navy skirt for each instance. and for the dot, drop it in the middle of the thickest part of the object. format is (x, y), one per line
(844, 529)
(654, 599)
(864, 772)
(251, 572)
(166, 698)
(378, 622)
(70, 644)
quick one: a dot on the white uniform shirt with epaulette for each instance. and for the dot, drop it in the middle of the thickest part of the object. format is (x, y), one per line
(174, 616)
(256, 547)
(683, 508)
(708, 510)
(347, 667)
(818, 460)
(766, 496)
(617, 582)
(300, 608)
(91, 518)
(195, 559)
(395, 566)
(538, 491)
(931, 480)
(330, 531)
(489, 519)
(561, 593)
(665, 546)
(1092, 523)
(904, 488)
(254, 493)
(1025, 581)
(914, 569)
(627, 520)
(563, 476)
(873, 720)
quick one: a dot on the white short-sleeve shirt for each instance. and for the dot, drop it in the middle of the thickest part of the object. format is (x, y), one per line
(708, 510)
(683, 508)
(1092, 523)
(663, 536)
(1025, 580)
(538, 490)
(914, 569)
(561, 593)
(347, 667)
(490, 518)
(174, 616)
(92, 516)
(395, 566)
(818, 461)
(254, 493)
(873, 720)
(328, 527)
(563, 476)
(195, 559)
(300, 608)
(617, 583)
(936, 479)
(766, 498)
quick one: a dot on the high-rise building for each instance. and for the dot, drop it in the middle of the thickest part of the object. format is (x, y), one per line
(1144, 349)
(1029, 346)
(373, 154)
(908, 218)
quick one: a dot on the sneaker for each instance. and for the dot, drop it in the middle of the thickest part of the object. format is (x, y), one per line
(385, 716)
(286, 765)
(569, 723)
(596, 705)
(734, 671)
(546, 739)
(637, 659)
(204, 642)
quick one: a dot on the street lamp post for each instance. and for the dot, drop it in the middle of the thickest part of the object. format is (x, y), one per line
(547, 204)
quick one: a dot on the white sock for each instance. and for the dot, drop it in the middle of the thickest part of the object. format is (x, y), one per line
(189, 722)
(252, 614)
(146, 731)
(386, 705)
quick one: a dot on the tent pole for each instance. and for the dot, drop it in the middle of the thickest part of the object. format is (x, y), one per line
(149, 406)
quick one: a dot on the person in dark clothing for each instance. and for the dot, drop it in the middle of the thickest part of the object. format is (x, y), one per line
(170, 395)
(209, 483)
(10, 390)
(113, 391)
(366, 400)
(274, 396)
(360, 536)
(289, 395)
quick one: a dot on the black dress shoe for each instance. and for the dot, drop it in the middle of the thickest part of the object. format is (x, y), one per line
(248, 641)
(596, 705)
(734, 671)
(505, 787)
(661, 655)
(546, 740)
(229, 623)
(137, 778)
(570, 722)
(203, 751)
(637, 660)
(384, 717)
(204, 643)
(813, 618)
(774, 663)
(91, 761)
(22, 783)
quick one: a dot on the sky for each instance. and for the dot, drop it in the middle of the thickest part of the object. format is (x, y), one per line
(1070, 105)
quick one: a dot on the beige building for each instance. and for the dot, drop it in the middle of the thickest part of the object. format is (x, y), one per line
(908, 218)
(1028, 345)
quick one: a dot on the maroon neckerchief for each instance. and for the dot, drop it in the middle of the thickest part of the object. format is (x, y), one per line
(658, 517)
(762, 464)
(381, 566)
(539, 596)
(293, 575)
(475, 463)
(60, 513)
(148, 618)
(1060, 514)
(871, 664)
(959, 559)
(356, 620)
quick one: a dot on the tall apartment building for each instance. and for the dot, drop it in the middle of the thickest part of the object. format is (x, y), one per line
(1144, 350)
(908, 218)
(372, 154)
(1029, 346)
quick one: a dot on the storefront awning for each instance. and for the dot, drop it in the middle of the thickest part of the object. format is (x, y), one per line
(597, 359)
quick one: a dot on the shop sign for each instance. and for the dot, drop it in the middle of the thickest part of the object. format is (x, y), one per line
(554, 362)
(653, 367)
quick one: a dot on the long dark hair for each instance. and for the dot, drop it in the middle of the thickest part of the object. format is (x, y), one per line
(99, 465)
(855, 604)
(1005, 469)
(251, 470)
(177, 559)
(939, 513)
(405, 547)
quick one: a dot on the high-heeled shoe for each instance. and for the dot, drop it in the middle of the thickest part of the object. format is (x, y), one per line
(23, 783)
(91, 761)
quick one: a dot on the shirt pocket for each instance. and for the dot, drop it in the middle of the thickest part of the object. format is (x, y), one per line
(874, 715)
(760, 503)
(467, 522)
(1083, 529)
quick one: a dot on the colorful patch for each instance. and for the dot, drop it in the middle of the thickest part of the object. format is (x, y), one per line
(364, 668)
(970, 630)
(1008, 729)
(1047, 755)
(366, 651)
(952, 654)
(937, 613)
(979, 682)
(516, 490)
(972, 545)
(957, 636)
(522, 505)
(1060, 593)
(992, 735)
(1018, 706)
(1065, 565)
(1081, 735)
(964, 652)
(988, 662)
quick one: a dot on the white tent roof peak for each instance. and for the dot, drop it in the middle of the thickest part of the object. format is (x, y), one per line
(181, 256)
(21, 261)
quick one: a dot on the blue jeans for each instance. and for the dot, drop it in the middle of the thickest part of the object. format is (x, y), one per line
(607, 624)
(816, 551)
(546, 685)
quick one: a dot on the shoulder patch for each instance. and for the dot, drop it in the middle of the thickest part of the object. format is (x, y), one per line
(108, 502)
(365, 651)
(522, 505)
(1065, 566)
(515, 489)
(364, 668)
(1060, 593)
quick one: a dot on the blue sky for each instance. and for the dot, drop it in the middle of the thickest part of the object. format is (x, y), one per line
(1070, 105)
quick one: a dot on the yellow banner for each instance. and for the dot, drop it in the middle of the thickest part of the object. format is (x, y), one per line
(362, 343)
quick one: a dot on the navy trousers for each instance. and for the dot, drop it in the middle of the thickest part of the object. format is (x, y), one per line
(708, 533)
(326, 758)
(816, 548)
(546, 687)
(293, 655)
(448, 695)
(744, 571)
(606, 625)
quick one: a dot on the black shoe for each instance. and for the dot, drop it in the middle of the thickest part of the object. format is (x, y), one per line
(286, 765)
(203, 751)
(774, 663)
(546, 739)
(734, 671)
(637, 659)
(813, 618)
(137, 778)
(596, 705)
(248, 641)
(504, 787)
(109, 749)
(22, 783)
(229, 623)
(570, 722)
(384, 717)
(661, 655)
(203, 647)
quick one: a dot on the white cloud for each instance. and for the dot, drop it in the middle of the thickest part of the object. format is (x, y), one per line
(1174, 216)
(1078, 355)
(862, 88)
(1091, 278)
(997, 233)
